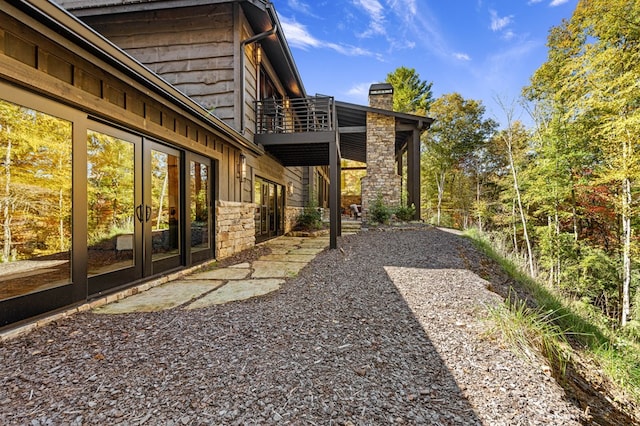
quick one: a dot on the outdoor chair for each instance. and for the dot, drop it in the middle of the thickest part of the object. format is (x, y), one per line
(356, 211)
(273, 114)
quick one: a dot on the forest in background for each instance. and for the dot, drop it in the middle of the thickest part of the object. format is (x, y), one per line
(562, 194)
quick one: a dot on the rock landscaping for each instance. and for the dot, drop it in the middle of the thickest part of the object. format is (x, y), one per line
(388, 329)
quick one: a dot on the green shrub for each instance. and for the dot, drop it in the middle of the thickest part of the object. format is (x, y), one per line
(406, 213)
(309, 219)
(379, 212)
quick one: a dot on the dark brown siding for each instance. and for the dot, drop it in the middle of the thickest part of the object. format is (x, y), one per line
(191, 48)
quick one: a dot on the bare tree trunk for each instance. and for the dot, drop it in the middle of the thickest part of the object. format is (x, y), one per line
(626, 250)
(6, 249)
(61, 219)
(478, 188)
(523, 219)
(440, 184)
(552, 276)
(508, 139)
(516, 249)
(558, 245)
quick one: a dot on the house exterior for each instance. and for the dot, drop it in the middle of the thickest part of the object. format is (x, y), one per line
(140, 138)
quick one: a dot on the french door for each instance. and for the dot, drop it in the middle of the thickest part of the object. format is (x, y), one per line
(269, 214)
(134, 214)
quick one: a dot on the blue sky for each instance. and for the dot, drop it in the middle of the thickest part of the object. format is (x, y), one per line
(481, 49)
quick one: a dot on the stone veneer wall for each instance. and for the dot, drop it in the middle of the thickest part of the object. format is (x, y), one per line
(291, 217)
(235, 228)
(381, 178)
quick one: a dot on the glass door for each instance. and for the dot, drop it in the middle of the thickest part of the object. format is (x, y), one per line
(200, 208)
(269, 215)
(114, 196)
(134, 218)
(162, 213)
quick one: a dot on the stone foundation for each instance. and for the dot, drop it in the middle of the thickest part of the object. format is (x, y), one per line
(235, 228)
(291, 217)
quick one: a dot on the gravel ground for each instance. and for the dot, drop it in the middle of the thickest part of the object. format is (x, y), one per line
(387, 330)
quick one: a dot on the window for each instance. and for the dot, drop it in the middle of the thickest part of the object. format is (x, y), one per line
(200, 191)
(35, 200)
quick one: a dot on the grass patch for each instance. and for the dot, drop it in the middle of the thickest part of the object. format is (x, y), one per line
(557, 321)
(525, 328)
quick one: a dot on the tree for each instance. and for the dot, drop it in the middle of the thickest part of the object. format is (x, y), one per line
(590, 77)
(410, 94)
(459, 129)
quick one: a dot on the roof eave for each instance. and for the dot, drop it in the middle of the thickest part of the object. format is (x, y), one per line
(53, 15)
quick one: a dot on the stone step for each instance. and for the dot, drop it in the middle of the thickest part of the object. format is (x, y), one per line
(351, 226)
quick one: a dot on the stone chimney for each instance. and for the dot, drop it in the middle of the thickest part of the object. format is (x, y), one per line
(382, 178)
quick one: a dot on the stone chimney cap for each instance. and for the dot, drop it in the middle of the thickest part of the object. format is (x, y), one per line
(381, 89)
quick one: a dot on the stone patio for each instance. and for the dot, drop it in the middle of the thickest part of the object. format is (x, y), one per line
(222, 285)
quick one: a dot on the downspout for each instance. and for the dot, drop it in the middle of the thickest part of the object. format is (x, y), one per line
(243, 43)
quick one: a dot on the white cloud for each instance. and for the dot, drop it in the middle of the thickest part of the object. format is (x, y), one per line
(375, 11)
(498, 23)
(462, 56)
(300, 6)
(508, 35)
(359, 93)
(553, 3)
(422, 26)
(298, 36)
(360, 89)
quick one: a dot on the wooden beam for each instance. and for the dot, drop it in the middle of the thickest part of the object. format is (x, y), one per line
(353, 129)
(404, 127)
(299, 138)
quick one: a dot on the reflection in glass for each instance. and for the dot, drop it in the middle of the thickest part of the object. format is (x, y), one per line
(199, 208)
(257, 197)
(35, 200)
(165, 207)
(110, 203)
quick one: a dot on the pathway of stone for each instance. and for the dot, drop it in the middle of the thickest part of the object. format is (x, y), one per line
(221, 285)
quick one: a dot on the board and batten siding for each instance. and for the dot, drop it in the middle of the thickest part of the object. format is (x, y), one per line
(191, 48)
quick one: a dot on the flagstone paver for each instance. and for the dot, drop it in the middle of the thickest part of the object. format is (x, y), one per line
(167, 296)
(315, 242)
(309, 250)
(280, 250)
(292, 256)
(288, 255)
(237, 290)
(221, 274)
(275, 269)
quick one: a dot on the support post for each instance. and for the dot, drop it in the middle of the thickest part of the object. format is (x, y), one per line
(334, 194)
(413, 172)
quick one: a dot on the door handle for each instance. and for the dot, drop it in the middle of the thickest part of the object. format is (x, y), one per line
(147, 213)
(139, 213)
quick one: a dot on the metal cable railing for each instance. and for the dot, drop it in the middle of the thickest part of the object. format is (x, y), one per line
(298, 115)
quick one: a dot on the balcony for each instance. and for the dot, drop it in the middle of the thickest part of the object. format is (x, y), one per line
(302, 115)
(298, 132)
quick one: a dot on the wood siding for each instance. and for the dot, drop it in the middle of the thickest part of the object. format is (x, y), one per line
(191, 48)
(80, 81)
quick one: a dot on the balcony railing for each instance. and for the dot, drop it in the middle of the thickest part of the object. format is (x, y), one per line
(314, 114)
